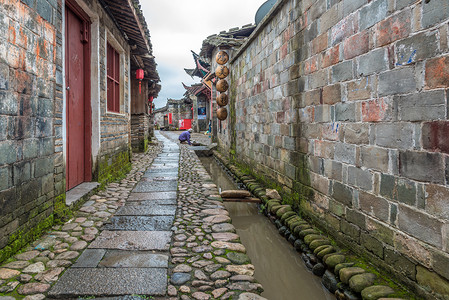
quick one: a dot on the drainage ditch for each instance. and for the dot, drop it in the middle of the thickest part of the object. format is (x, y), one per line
(279, 268)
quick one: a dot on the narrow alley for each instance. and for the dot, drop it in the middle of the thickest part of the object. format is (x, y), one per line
(247, 150)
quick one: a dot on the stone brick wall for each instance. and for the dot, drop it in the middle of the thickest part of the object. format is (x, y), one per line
(344, 104)
(32, 162)
(140, 125)
(264, 95)
(30, 118)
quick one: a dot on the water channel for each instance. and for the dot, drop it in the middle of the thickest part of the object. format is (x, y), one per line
(279, 268)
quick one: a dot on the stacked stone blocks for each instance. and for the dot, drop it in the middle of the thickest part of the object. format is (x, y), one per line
(32, 164)
(28, 60)
(345, 102)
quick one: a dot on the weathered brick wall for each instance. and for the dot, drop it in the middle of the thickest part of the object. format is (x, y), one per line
(30, 98)
(345, 103)
(32, 164)
(140, 126)
(264, 93)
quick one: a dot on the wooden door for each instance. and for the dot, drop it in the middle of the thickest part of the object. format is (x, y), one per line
(77, 95)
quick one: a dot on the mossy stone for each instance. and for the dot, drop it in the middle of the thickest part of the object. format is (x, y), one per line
(359, 282)
(341, 266)
(237, 258)
(327, 250)
(42, 259)
(302, 227)
(290, 219)
(346, 273)
(259, 192)
(293, 222)
(293, 227)
(316, 243)
(334, 260)
(320, 248)
(296, 219)
(287, 215)
(376, 291)
(283, 210)
(264, 199)
(275, 208)
(302, 234)
(311, 237)
(327, 255)
(272, 203)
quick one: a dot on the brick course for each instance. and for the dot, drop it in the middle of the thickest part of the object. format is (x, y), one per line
(372, 110)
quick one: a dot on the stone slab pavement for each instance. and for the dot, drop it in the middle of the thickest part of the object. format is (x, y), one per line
(134, 240)
(138, 231)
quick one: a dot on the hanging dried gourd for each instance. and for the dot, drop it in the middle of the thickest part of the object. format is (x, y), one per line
(222, 113)
(222, 57)
(222, 85)
(222, 99)
(222, 72)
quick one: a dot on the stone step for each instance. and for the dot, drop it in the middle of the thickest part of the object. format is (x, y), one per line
(152, 196)
(79, 282)
(140, 223)
(159, 186)
(146, 210)
(132, 240)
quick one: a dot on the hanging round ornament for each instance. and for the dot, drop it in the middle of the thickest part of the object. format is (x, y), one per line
(222, 85)
(222, 57)
(222, 72)
(222, 99)
(222, 113)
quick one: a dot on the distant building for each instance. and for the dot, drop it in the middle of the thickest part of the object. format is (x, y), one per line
(176, 115)
(200, 93)
(200, 96)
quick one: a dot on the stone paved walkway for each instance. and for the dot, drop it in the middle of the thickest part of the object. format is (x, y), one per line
(208, 260)
(162, 231)
(130, 256)
(30, 274)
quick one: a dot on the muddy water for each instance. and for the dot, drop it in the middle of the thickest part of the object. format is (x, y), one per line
(279, 268)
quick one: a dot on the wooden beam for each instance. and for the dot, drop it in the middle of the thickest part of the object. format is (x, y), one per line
(248, 200)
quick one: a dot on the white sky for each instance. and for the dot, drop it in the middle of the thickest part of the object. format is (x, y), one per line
(178, 26)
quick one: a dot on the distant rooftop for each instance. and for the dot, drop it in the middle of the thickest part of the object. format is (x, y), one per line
(234, 37)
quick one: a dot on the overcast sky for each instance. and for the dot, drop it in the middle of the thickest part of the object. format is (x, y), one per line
(178, 26)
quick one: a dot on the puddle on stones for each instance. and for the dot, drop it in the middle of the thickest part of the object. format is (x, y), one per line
(279, 268)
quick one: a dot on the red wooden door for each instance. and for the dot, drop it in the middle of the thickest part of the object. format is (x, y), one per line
(78, 102)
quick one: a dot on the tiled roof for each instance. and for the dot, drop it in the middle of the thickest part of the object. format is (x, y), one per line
(130, 20)
(234, 37)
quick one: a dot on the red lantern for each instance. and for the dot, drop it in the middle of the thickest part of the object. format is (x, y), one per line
(150, 99)
(139, 76)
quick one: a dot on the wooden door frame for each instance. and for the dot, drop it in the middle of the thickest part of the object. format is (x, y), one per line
(80, 13)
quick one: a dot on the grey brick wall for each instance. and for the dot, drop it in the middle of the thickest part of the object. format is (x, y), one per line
(365, 103)
(28, 116)
(32, 164)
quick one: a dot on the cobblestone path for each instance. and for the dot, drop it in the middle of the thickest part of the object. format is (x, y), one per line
(208, 261)
(31, 273)
(121, 260)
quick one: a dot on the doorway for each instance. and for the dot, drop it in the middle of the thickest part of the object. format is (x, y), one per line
(78, 110)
